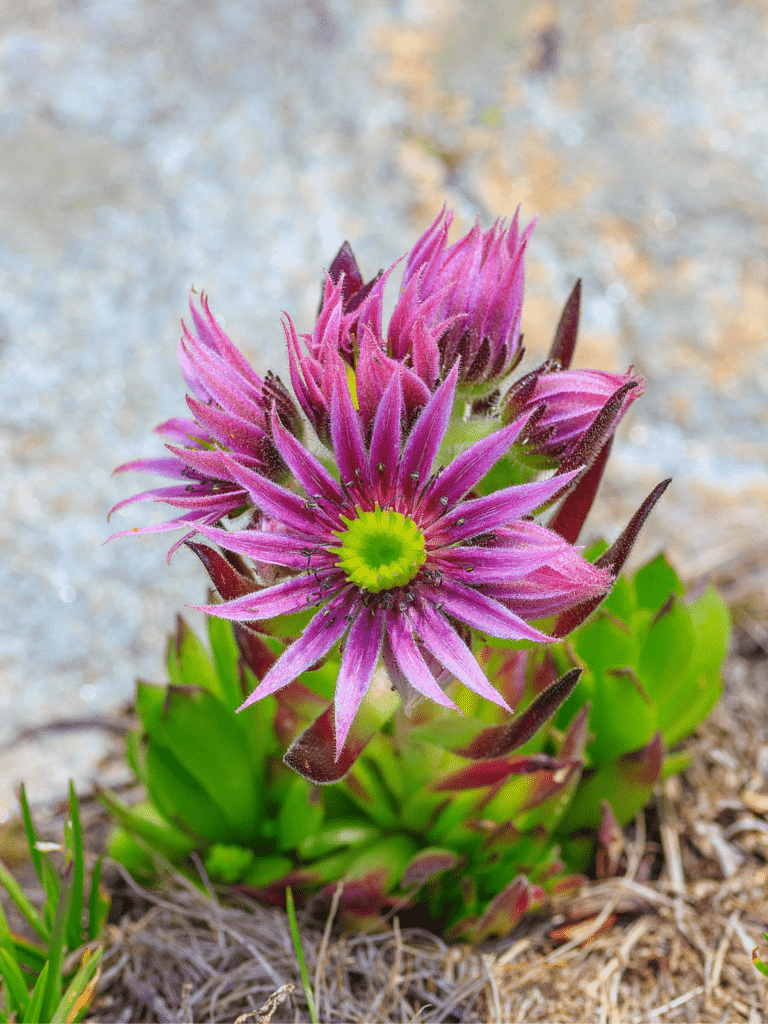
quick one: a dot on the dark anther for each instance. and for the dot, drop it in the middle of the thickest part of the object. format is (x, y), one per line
(349, 618)
(415, 477)
(460, 521)
(439, 606)
(410, 597)
(380, 467)
(402, 606)
(469, 568)
(444, 501)
(189, 487)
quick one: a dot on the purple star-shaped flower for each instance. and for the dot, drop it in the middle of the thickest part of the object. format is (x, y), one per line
(395, 558)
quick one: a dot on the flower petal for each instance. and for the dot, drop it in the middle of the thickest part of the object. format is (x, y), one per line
(481, 515)
(427, 436)
(410, 660)
(309, 471)
(276, 501)
(263, 546)
(361, 655)
(482, 613)
(292, 595)
(472, 465)
(441, 639)
(385, 440)
(347, 436)
(325, 629)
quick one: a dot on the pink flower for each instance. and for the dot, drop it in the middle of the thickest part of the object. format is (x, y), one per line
(231, 406)
(395, 559)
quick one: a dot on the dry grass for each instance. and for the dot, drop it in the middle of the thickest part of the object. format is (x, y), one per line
(671, 940)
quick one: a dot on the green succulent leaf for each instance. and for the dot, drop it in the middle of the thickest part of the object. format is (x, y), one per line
(228, 863)
(654, 582)
(300, 815)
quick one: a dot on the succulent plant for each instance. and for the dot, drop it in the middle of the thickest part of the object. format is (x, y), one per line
(474, 819)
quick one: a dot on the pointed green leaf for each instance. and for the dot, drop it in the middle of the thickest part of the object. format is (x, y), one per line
(300, 815)
(23, 904)
(98, 904)
(183, 801)
(16, 994)
(204, 737)
(225, 658)
(193, 664)
(227, 864)
(266, 870)
(76, 990)
(29, 828)
(34, 1012)
(334, 837)
(702, 687)
(143, 820)
(57, 947)
(74, 924)
(667, 651)
(622, 600)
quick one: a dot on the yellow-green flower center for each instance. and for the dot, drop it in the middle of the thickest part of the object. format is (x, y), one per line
(380, 550)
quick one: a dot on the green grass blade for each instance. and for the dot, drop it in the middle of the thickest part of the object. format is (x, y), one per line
(34, 1009)
(23, 905)
(98, 905)
(29, 956)
(75, 917)
(6, 942)
(309, 995)
(29, 828)
(77, 989)
(16, 993)
(57, 947)
(52, 883)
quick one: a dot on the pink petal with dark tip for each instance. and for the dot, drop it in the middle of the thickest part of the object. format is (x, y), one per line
(471, 466)
(272, 547)
(347, 436)
(276, 501)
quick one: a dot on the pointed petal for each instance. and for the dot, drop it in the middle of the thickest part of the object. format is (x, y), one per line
(481, 515)
(361, 655)
(267, 546)
(325, 630)
(347, 436)
(482, 613)
(159, 466)
(565, 336)
(276, 501)
(292, 595)
(472, 465)
(446, 645)
(385, 441)
(309, 471)
(501, 740)
(427, 436)
(410, 660)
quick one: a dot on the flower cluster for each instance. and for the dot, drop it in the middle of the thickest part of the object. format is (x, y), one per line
(373, 545)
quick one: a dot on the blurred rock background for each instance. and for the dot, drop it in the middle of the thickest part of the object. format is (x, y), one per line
(151, 145)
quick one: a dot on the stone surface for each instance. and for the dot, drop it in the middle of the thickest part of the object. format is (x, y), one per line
(232, 145)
